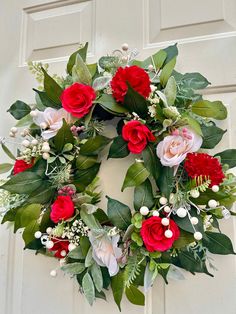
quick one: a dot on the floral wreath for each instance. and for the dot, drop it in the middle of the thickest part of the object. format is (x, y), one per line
(180, 194)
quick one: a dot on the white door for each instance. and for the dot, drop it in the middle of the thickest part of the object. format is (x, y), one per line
(51, 30)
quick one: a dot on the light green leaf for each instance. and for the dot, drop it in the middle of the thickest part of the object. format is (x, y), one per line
(88, 288)
(134, 295)
(89, 258)
(73, 268)
(89, 220)
(135, 175)
(108, 103)
(101, 82)
(170, 91)
(25, 121)
(118, 213)
(97, 276)
(76, 253)
(29, 231)
(8, 152)
(83, 53)
(25, 215)
(5, 168)
(192, 123)
(167, 71)
(210, 109)
(80, 72)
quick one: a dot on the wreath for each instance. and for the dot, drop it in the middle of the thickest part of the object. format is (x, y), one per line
(180, 193)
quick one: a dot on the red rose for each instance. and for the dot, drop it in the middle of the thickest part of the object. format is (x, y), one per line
(137, 135)
(60, 247)
(153, 234)
(78, 99)
(62, 209)
(201, 164)
(135, 76)
(21, 165)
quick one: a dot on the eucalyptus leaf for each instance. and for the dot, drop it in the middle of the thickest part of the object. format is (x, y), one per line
(88, 288)
(96, 274)
(83, 53)
(80, 71)
(101, 82)
(73, 268)
(8, 152)
(170, 91)
(89, 220)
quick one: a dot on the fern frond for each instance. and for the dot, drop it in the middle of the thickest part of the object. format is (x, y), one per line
(132, 269)
(201, 183)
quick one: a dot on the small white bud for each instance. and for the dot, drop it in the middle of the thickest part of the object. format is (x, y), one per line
(165, 221)
(49, 244)
(124, 59)
(12, 134)
(163, 200)
(53, 273)
(144, 210)
(63, 253)
(195, 193)
(215, 188)
(197, 236)
(43, 125)
(194, 220)
(168, 234)
(14, 129)
(45, 148)
(167, 209)
(46, 156)
(26, 143)
(155, 213)
(34, 142)
(212, 203)
(125, 47)
(49, 230)
(181, 212)
(38, 234)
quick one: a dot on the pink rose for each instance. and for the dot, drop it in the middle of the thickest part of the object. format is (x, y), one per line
(174, 148)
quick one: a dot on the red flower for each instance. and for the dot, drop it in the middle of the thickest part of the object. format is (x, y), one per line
(135, 76)
(153, 234)
(60, 247)
(62, 209)
(137, 135)
(78, 99)
(200, 164)
(21, 165)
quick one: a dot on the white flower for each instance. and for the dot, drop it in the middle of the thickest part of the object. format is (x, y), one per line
(53, 120)
(174, 148)
(105, 250)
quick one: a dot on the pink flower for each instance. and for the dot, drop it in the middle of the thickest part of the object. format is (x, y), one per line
(174, 148)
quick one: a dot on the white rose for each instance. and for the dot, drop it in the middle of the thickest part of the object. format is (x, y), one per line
(174, 148)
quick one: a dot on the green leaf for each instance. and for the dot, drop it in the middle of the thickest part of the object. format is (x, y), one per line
(143, 195)
(108, 103)
(19, 109)
(212, 135)
(185, 224)
(165, 181)
(210, 109)
(117, 286)
(84, 177)
(76, 253)
(170, 91)
(134, 102)
(136, 174)
(89, 220)
(101, 82)
(25, 121)
(43, 194)
(228, 157)
(5, 167)
(94, 145)
(158, 59)
(52, 89)
(80, 71)
(85, 244)
(8, 152)
(118, 213)
(167, 71)
(83, 53)
(172, 52)
(89, 258)
(73, 268)
(218, 243)
(25, 215)
(64, 136)
(97, 276)
(192, 123)
(23, 183)
(184, 239)
(151, 161)
(85, 162)
(134, 295)
(119, 148)
(88, 288)
(29, 231)
(195, 80)
(45, 100)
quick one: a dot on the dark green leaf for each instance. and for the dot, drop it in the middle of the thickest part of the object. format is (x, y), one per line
(19, 109)
(84, 244)
(94, 145)
(64, 136)
(135, 102)
(228, 157)
(117, 286)
(119, 148)
(134, 295)
(143, 195)
(218, 243)
(184, 239)
(212, 135)
(118, 213)
(151, 161)
(52, 89)
(165, 181)
(136, 174)
(108, 103)
(45, 100)
(83, 53)
(210, 109)
(172, 52)
(85, 162)
(43, 194)
(84, 177)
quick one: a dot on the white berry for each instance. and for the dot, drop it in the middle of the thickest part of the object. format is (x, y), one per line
(181, 212)
(144, 210)
(165, 221)
(53, 273)
(34, 142)
(168, 234)
(194, 220)
(49, 230)
(197, 236)
(125, 47)
(14, 129)
(26, 143)
(194, 193)
(38, 234)
(163, 200)
(155, 213)
(215, 188)
(150, 67)
(45, 148)
(71, 247)
(124, 59)
(212, 203)
(12, 134)
(49, 244)
(167, 209)
(63, 253)
(46, 156)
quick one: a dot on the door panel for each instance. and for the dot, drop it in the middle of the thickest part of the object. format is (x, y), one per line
(43, 30)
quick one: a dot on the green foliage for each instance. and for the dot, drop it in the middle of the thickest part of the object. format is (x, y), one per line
(43, 100)
(218, 243)
(8, 152)
(151, 161)
(143, 195)
(83, 53)
(172, 52)
(52, 89)
(19, 109)
(96, 274)
(25, 215)
(117, 286)
(165, 181)
(134, 295)
(88, 288)
(108, 103)
(83, 178)
(80, 71)
(167, 71)
(118, 213)
(119, 148)
(85, 162)
(63, 137)
(29, 231)
(134, 102)
(73, 268)
(228, 157)
(170, 91)
(210, 109)
(133, 268)
(89, 220)
(94, 145)
(136, 174)
(5, 167)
